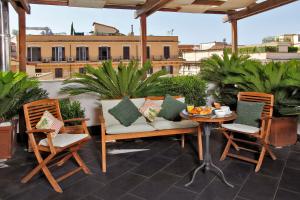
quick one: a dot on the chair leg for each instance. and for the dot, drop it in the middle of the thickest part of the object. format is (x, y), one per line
(270, 151)
(260, 160)
(103, 155)
(182, 141)
(51, 180)
(64, 160)
(33, 172)
(81, 163)
(232, 142)
(227, 147)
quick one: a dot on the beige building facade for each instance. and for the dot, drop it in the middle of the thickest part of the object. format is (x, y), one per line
(58, 56)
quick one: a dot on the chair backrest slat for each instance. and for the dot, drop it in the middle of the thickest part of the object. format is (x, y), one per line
(268, 99)
(34, 111)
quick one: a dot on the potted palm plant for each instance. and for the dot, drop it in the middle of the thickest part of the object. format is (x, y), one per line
(15, 90)
(279, 78)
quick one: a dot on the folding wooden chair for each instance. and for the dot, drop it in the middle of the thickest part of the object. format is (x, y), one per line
(64, 142)
(261, 134)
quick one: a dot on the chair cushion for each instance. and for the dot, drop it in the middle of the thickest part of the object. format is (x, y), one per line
(249, 113)
(48, 121)
(135, 127)
(107, 104)
(171, 108)
(165, 124)
(125, 112)
(150, 110)
(64, 139)
(241, 128)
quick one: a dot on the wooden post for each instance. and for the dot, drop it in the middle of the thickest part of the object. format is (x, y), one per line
(143, 24)
(22, 39)
(234, 36)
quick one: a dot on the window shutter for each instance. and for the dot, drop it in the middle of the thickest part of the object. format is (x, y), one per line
(108, 53)
(87, 53)
(53, 53)
(77, 53)
(63, 54)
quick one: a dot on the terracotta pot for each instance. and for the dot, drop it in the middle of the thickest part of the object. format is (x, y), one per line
(6, 140)
(283, 131)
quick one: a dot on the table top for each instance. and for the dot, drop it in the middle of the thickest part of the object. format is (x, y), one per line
(210, 119)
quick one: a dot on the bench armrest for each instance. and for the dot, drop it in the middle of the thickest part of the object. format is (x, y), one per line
(40, 131)
(76, 120)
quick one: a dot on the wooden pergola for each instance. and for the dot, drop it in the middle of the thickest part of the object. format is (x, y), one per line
(233, 10)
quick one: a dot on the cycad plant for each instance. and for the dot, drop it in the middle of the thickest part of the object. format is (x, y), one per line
(15, 90)
(216, 68)
(279, 78)
(107, 82)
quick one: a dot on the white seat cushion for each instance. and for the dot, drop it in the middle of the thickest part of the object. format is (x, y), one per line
(241, 128)
(64, 139)
(163, 124)
(135, 127)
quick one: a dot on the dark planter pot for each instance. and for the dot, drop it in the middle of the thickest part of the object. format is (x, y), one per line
(6, 141)
(283, 131)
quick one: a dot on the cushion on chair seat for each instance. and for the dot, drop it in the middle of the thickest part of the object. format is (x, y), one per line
(166, 124)
(135, 127)
(241, 128)
(64, 139)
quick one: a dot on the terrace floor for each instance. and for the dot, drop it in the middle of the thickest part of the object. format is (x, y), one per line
(159, 173)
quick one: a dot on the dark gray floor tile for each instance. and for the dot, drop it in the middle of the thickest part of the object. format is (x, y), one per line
(119, 186)
(293, 160)
(202, 179)
(290, 179)
(178, 194)
(296, 147)
(259, 187)
(182, 165)
(271, 167)
(91, 197)
(281, 153)
(155, 186)
(219, 190)
(286, 195)
(130, 197)
(236, 172)
(151, 166)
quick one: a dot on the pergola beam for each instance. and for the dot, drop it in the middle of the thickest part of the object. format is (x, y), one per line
(256, 9)
(24, 4)
(150, 7)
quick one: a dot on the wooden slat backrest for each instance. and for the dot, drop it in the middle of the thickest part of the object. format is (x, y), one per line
(268, 99)
(33, 111)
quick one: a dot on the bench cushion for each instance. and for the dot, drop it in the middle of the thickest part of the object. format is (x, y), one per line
(64, 139)
(241, 128)
(110, 103)
(135, 127)
(165, 124)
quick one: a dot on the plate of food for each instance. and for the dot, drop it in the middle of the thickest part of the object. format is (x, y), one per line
(199, 111)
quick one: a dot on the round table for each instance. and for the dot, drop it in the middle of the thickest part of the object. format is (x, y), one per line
(208, 122)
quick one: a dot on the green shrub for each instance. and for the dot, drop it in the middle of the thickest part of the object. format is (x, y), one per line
(193, 88)
(293, 49)
(71, 109)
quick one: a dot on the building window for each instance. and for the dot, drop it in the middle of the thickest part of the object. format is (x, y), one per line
(82, 70)
(58, 54)
(104, 53)
(33, 54)
(148, 52)
(166, 52)
(58, 72)
(82, 53)
(38, 70)
(169, 69)
(126, 53)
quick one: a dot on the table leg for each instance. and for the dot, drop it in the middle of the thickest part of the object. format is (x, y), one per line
(207, 162)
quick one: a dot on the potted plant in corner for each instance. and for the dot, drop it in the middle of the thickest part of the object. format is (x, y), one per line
(15, 89)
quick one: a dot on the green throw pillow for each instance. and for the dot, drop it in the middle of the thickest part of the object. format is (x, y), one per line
(171, 108)
(126, 112)
(249, 113)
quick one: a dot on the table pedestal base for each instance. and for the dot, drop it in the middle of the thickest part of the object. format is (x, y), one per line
(207, 164)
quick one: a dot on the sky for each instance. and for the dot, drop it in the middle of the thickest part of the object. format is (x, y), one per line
(191, 28)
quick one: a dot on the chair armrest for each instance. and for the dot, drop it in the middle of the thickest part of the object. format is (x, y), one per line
(76, 120)
(266, 117)
(40, 131)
